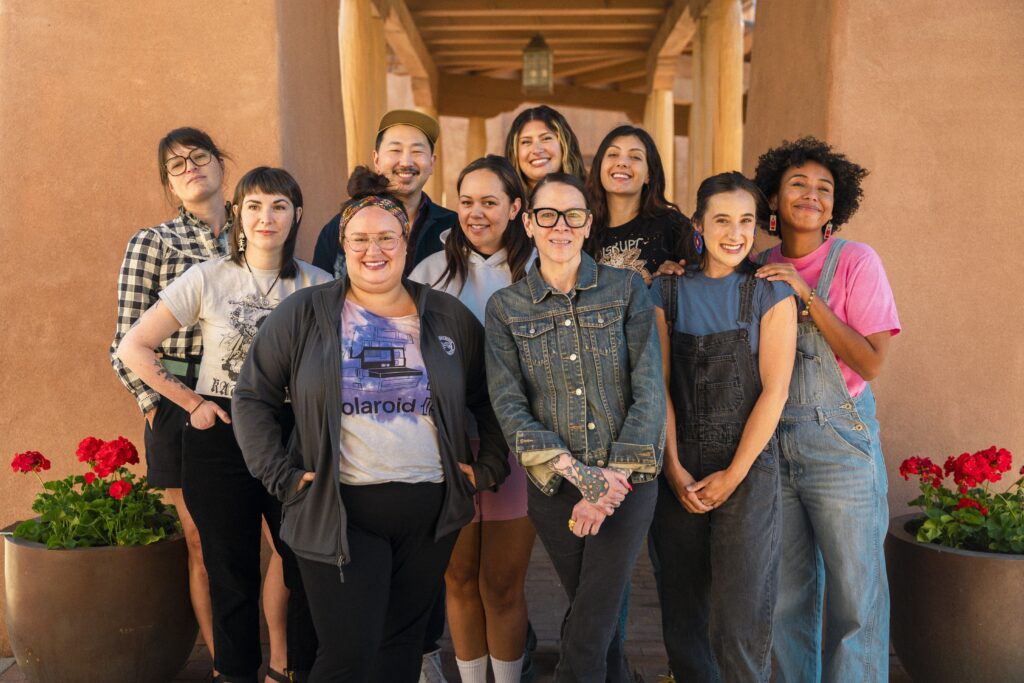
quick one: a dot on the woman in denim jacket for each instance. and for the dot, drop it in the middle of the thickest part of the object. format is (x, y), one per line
(574, 371)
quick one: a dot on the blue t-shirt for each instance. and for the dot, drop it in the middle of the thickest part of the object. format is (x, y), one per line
(707, 305)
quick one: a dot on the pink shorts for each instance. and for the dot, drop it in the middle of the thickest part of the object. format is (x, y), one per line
(509, 502)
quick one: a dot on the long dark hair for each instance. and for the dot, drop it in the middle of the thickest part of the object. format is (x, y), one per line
(269, 181)
(730, 181)
(572, 159)
(653, 203)
(514, 240)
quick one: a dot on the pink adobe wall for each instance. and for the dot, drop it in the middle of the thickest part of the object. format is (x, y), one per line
(930, 101)
(86, 90)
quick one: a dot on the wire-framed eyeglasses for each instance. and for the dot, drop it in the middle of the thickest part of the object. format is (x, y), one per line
(177, 164)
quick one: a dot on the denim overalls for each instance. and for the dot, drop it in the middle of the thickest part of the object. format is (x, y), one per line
(835, 515)
(718, 571)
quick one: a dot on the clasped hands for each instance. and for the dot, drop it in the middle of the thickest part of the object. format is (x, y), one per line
(587, 517)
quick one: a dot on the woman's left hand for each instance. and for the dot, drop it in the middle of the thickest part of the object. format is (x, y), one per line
(786, 273)
(715, 489)
(586, 519)
(468, 471)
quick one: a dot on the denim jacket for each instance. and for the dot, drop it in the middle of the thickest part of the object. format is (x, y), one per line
(578, 372)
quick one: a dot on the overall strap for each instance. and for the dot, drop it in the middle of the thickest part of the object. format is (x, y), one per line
(669, 295)
(828, 270)
(747, 299)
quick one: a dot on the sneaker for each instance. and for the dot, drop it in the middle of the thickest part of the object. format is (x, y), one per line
(431, 671)
(531, 644)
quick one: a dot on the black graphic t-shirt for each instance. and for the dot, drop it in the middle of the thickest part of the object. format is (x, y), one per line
(387, 431)
(643, 244)
(228, 303)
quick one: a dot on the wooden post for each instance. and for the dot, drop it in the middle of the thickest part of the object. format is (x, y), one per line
(659, 120)
(716, 116)
(363, 58)
(476, 138)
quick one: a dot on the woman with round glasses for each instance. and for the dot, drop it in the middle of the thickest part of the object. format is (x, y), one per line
(378, 477)
(574, 368)
(540, 141)
(229, 298)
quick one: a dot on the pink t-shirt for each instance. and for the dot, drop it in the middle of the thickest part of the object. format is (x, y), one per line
(860, 295)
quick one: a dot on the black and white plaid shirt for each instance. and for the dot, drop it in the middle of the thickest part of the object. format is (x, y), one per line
(153, 259)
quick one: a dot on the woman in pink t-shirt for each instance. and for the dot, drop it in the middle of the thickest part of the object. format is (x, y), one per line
(834, 508)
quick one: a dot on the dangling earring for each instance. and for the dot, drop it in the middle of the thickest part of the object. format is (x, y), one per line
(241, 241)
(773, 224)
(828, 230)
(698, 241)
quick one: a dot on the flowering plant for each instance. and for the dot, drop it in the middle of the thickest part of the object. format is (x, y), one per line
(971, 516)
(106, 506)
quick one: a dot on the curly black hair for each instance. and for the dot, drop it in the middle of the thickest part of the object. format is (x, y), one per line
(847, 175)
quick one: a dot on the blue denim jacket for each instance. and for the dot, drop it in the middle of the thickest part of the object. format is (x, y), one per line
(578, 372)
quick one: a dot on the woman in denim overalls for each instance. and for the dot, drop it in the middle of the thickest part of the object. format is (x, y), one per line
(730, 340)
(834, 507)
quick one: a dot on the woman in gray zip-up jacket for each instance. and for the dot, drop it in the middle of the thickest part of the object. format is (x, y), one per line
(378, 477)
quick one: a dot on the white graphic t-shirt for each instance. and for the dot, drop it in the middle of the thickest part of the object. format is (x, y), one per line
(387, 431)
(228, 303)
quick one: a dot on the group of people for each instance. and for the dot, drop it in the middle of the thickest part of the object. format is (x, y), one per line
(567, 355)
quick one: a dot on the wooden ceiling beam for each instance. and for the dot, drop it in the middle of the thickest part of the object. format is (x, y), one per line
(480, 96)
(465, 51)
(675, 34)
(404, 39)
(634, 68)
(580, 37)
(589, 66)
(538, 8)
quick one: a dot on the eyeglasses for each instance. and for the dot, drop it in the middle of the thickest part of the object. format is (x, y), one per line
(177, 164)
(548, 218)
(386, 241)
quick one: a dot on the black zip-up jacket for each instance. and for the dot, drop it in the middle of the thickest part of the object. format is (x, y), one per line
(298, 347)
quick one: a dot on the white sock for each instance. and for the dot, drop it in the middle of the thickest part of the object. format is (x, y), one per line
(507, 672)
(474, 670)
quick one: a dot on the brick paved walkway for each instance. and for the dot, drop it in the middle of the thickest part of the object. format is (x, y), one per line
(547, 605)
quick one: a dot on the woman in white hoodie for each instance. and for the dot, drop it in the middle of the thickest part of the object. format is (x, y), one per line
(487, 572)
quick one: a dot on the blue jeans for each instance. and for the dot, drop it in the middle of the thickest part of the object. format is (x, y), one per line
(834, 519)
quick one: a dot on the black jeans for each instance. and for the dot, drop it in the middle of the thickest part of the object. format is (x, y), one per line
(228, 505)
(594, 572)
(372, 624)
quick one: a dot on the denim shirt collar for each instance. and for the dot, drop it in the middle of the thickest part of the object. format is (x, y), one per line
(586, 278)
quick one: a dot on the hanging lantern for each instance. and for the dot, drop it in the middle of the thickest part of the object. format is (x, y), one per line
(538, 68)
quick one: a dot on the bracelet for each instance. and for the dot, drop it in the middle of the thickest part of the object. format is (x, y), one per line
(807, 306)
(201, 402)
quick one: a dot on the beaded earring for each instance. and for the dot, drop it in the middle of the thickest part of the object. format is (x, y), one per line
(241, 241)
(698, 241)
(828, 230)
(773, 224)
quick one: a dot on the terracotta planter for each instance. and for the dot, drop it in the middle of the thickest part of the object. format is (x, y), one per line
(957, 615)
(99, 615)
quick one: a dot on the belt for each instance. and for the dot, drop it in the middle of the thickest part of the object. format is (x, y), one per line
(181, 368)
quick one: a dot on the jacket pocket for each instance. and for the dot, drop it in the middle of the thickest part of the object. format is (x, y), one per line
(602, 331)
(536, 342)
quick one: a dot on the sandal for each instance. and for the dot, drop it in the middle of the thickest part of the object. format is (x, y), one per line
(285, 677)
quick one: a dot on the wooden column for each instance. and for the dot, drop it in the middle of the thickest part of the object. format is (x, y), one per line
(716, 117)
(476, 138)
(363, 77)
(659, 120)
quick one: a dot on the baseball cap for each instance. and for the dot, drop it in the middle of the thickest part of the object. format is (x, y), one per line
(410, 117)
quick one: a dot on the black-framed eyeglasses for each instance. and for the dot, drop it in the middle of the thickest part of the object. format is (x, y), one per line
(548, 218)
(177, 164)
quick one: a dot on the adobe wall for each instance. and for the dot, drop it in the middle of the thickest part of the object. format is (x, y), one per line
(930, 101)
(86, 90)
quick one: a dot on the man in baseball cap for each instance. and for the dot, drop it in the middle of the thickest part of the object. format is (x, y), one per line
(404, 152)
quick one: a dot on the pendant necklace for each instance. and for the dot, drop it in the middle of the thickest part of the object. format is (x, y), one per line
(263, 300)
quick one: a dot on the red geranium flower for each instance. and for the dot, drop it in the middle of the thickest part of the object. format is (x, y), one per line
(114, 454)
(971, 503)
(88, 448)
(924, 468)
(90, 477)
(30, 461)
(119, 489)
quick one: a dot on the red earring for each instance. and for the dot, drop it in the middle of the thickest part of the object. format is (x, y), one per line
(773, 224)
(828, 230)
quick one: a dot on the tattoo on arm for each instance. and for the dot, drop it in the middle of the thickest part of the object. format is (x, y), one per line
(589, 480)
(164, 373)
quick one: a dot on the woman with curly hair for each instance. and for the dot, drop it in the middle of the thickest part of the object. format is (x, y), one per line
(540, 142)
(834, 508)
(635, 226)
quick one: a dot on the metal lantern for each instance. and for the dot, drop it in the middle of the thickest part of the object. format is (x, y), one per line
(538, 68)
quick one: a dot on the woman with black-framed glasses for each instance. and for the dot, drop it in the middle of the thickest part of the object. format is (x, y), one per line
(574, 369)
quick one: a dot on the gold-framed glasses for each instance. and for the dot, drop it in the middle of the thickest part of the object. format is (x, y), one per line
(385, 241)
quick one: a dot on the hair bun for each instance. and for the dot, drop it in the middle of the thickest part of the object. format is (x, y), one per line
(365, 183)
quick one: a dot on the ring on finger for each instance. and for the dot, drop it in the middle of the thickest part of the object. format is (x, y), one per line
(572, 523)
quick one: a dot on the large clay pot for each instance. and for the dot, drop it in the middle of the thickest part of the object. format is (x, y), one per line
(957, 615)
(99, 615)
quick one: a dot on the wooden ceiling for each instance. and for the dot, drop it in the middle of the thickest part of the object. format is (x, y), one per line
(596, 43)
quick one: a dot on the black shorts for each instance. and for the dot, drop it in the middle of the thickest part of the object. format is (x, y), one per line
(163, 442)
